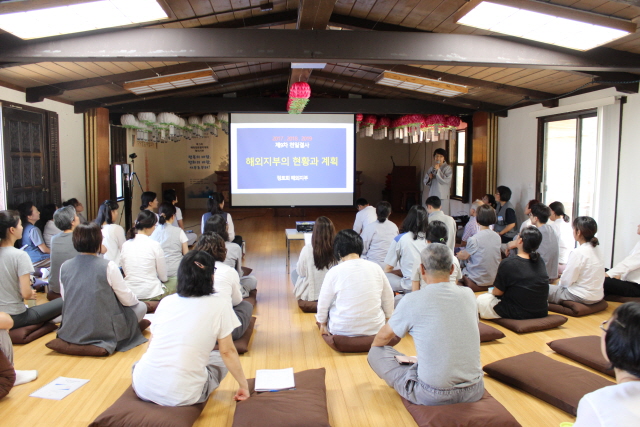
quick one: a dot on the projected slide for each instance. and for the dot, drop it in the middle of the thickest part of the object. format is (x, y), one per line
(284, 160)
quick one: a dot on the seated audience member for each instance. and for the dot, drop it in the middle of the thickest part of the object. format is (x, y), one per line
(435, 214)
(314, 261)
(215, 204)
(112, 233)
(170, 196)
(521, 286)
(6, 347)
(624, 278)
(472, 227)
(180, 369)
(506, 220)
(378, 235)
(173, 241)
(406, 247)
(489, 199)
(366, 215)
(62, 245)
(46, 225)
(32, 239)
(482, 254)
(582, 280)
(216, 224)
(99, 309)
(226, 282)
(355, 298)
(15, 283)
(436, 233)
(78, 207)
(561, 223)
(617, 405)
(143, 260)
(438, 179)
(149, 202)
(448, 369)
(527, 211)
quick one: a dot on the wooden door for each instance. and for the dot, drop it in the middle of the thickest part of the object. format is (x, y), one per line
(26, 173)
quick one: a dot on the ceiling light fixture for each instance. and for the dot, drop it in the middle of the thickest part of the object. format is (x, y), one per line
(420, 84)
(543, 22)
(171, 81)
(77, 17)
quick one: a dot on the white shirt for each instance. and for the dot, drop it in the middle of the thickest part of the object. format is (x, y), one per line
(565, 239)
(526, 224)
(113, 238)
(171, 239)
(355, 298)
(50, 230)
(173, 371)
(629, 268)
(377, 238)
(450, 223)
(117, 283)
(310, 279)
(584, 274)
(453, 278)
(364, 217)
(226, 283)
(611, 406)
(405, 250)
(144, 266)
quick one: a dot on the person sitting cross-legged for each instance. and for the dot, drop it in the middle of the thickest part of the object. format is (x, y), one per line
(442, 318)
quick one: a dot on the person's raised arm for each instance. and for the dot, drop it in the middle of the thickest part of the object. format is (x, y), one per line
(444, 175)
(232, 362)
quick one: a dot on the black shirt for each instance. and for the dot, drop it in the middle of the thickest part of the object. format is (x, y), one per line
(525, 284)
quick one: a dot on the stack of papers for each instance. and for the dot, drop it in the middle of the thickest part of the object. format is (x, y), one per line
(274, 379)
(59, 388)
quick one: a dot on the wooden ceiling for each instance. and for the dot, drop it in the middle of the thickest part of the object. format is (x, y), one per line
(99, 83)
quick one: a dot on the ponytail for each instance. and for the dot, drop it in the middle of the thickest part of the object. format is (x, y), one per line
(146, 219)
(594, 241)
(166, 211)
(558, 210)
(104, 212)
(213, 203)
(533, 256)
(531, 239)
(565, 217)
(383, 210)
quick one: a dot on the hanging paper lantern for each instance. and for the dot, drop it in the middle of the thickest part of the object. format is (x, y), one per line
(196, 124)
(369, 122)
(129, 121)
(223, 118)
(381, 128)
(299, 95)
(359, 118)
(148, 119)
(209, 122)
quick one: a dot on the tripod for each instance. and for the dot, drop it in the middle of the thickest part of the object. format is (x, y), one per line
(128, 192)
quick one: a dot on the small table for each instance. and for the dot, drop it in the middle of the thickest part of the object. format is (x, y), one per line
(292, 234)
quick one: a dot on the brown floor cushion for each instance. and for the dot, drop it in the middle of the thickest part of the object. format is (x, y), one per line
(152, 306)
(252, 298)
(7, 375)
(130, 411)
(486, 412)
(305, 406)
(585, 350)
(465, 281)
(308, 306)
(242, 343)
(64, 347)
(53, 295)
(532, 325)
(489, 333)
(576, 309)
(619, 298)
(26, 334)
(353, 344)
(246, 271)
(557, 383)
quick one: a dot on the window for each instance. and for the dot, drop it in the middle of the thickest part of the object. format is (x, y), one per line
(567, 161)
(459, 159)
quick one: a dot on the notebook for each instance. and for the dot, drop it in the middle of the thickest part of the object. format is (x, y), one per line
(274, 379)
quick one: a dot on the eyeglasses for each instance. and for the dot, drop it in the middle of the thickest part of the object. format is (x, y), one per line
(602, 325)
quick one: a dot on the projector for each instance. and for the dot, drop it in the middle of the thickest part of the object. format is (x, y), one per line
(304, 226)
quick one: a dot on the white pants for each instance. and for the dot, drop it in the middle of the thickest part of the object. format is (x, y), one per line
(486, 302)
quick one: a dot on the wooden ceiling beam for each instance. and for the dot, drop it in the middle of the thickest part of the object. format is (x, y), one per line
(258, 21)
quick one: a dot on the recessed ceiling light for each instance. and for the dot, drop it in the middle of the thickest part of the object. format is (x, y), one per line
(420, 84)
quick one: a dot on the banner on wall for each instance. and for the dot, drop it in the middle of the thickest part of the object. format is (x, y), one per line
(200, 172)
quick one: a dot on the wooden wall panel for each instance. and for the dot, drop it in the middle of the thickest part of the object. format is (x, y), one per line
(485, 151)
(96, 140)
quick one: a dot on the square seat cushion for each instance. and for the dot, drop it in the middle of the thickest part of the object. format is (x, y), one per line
(242, 343)
(7, 375)
(306, 406)
(130, 411)
(585, 350)
(489, 333)
(64, 347)
(353, 344)
(53, 295)
(465, 281)
(557, 383)
(308, 306)
(252, 298)
(576, 309)
(486, 412)
(619, 298)
(26, 334)
(532, 325)
(246, 271)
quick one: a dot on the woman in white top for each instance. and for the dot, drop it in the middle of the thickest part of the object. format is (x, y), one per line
(216, 224)
(560, 221)
(226, 282)
(215, 204)
(180, 367)
(405, 248)
(624, 278)
(143, 260)
(436, 233)
(314, 261)
(46, 225)
(378, 235)
(173, 241)
(112, 234)
(356, 298)
(582, 280)
(527, 212)
(617, 405)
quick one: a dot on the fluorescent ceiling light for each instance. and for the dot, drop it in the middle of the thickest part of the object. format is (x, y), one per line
(544, 22)
(76, 18)
(312, 65)
(420, 84)
(171, 81)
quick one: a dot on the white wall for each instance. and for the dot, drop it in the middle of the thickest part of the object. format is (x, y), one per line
(71, 143)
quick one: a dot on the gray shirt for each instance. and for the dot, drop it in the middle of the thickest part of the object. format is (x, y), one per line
(13, 264)
(484, 249)
(171, 239)
(61, 250)
(377, 238)
(452, 227)
(440, 185)
(442, 318)
(549, 250)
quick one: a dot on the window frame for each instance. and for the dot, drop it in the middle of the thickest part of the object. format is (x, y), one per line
(453, 154)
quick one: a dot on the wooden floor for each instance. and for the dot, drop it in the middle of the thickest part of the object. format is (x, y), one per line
(283, 337)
